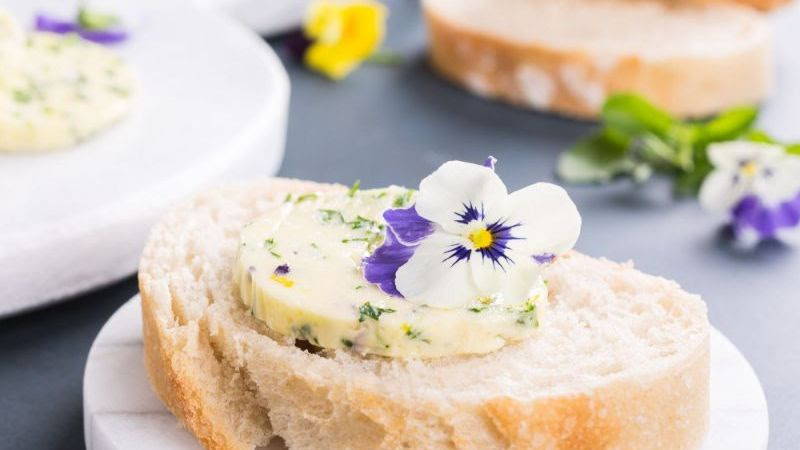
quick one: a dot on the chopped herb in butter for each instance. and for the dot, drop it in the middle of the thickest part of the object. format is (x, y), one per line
(304, 197)
(354, 188)
(324, 243)
(57, 91)
(269, 244)
(403, 199)
(527, 316)
(412, 333)
(367, 311)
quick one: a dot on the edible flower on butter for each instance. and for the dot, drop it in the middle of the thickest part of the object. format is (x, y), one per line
(281, 276)
(92, 26)
(342, 35)
(758, 185)
(467, 238)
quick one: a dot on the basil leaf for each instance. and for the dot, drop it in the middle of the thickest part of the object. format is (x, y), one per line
(655, 150)
(729, 125)
(632, 114)
(759, 136)
(688, 182)
(793, 149)
(597, 159)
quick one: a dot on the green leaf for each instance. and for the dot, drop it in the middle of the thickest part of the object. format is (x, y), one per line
(728, 125)
(597, 159)
(793, 149)
(655, 151)
(759, 136)
(688, 182)
(91, 20)
(632, 114)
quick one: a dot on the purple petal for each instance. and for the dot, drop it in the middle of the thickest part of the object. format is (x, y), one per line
(408, 226)
(381, 266)
(104, 36)
(544, 258)
(53, 25)
(296, 44)
(283, 269)
(490, 162)
(750, 212)
(789, 213)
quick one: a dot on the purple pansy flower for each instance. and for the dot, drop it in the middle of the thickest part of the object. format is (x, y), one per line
(467, 237)
(105, 36)
(757, 184)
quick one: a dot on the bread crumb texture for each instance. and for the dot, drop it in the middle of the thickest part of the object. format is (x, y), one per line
(621, 361)
(567, 56)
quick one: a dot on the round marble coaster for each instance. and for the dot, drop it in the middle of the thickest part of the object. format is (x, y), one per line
(120, 412)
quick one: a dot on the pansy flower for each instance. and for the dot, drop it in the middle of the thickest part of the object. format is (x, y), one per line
(757, 185)
(338, 36)
(92, 26)
(467, 238)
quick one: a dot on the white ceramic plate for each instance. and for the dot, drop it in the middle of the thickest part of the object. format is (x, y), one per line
(120, 412)
(266, 17)
(211, 106)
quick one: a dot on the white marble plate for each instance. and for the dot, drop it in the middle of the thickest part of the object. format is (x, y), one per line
(266, 17)
(212, 106)
(120, 412)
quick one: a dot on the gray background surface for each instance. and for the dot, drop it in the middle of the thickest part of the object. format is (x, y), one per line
(394, 125)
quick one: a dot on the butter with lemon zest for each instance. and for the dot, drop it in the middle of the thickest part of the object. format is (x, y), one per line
(300, 270)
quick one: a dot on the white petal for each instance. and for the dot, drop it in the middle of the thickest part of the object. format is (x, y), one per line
(427, 279)
(515, 281)
(550, 221)
(488, 277)
(444, 193)
(523, 278)
(727, 155)
(719, 193)
(784, 183)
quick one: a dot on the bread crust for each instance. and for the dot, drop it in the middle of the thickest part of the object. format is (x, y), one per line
(762, 5)
(170, 374)
(303, 398)
(575, 82)
(619, 415)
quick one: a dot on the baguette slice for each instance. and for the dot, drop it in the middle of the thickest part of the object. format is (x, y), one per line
(567, 56)
(622, 360)
(763, 5)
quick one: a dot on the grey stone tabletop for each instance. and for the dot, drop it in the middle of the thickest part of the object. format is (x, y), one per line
(394, 125)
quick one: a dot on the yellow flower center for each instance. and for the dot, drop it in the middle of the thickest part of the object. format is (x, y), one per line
(481, 238)
(749, 169)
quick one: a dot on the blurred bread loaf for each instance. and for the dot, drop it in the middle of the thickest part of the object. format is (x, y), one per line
(692, 58)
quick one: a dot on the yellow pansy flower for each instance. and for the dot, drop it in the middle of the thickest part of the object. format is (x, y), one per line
(343, 34)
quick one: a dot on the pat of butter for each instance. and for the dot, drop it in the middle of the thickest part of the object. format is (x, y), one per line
(299, 269)
(59, 90)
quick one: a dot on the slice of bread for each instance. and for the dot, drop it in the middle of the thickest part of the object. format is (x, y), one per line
(621, 360)
(567, 56)
(763, 5)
